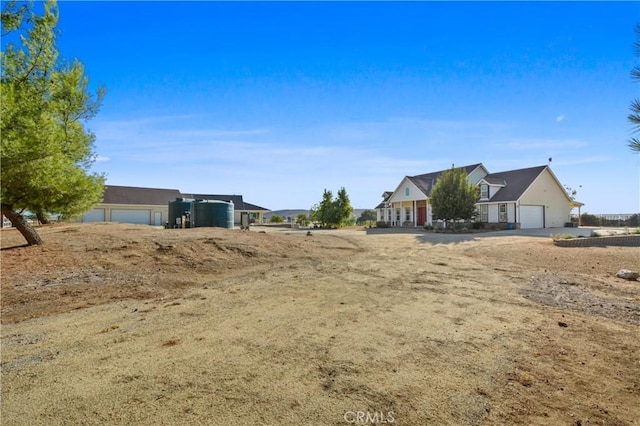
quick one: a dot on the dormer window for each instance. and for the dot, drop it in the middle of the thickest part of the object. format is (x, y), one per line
(484, 191)
(406, 191)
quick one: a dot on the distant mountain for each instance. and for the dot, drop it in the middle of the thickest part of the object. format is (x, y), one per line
(293, 213)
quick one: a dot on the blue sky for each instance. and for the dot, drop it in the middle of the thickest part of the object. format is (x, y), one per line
(277, 101)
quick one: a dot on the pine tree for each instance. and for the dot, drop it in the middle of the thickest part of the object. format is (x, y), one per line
(46, 151)
(344, 211)
(634, 116)
(333, 213)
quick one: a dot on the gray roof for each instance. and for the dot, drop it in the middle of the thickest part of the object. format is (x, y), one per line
(385, 198)
(426, 181)
(114, 194)
(493, 180)
(516, 183)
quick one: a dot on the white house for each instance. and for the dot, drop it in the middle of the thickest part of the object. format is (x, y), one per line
(409, 204)
(524, 198)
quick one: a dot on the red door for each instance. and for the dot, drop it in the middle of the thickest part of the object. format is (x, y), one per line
(422, 216)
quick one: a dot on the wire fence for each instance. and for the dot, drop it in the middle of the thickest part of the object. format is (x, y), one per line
(611, 220)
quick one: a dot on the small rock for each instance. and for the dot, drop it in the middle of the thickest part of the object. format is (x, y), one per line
(628, 275)
(563, 324)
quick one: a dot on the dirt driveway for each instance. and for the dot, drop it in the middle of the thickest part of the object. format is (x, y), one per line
(126, 324)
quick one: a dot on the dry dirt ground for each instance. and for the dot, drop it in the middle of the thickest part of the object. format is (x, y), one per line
(126, 324)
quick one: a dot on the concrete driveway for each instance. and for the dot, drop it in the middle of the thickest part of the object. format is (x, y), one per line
(441, 237)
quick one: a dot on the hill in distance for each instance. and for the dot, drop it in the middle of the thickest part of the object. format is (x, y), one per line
(293, 213)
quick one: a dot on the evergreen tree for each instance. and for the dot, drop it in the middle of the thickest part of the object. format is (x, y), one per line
(333, 213)
(343, 208)
(325, 212)
(453, 197)
(46, 151)
(634, 116)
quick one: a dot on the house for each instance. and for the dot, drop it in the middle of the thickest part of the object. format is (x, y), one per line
(409, 204)
(524, 198)
(150, 206)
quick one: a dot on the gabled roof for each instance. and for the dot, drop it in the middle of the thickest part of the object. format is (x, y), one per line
(493, 180)
(238, 202)
(516, 183)
(425, 182)
(114, 194)
(385, 197)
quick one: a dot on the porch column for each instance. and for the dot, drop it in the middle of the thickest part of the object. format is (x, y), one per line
(415, 215)
(579, 217)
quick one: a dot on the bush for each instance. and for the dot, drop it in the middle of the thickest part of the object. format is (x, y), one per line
(276, 219)
(382, 224)
(477, 225)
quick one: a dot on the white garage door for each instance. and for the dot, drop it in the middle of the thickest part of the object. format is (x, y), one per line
(531, 217)
(131, 216)
(94, 215)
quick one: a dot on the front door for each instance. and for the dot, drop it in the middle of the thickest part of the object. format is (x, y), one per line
(422, 216)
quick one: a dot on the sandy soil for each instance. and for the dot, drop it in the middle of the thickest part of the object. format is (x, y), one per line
(125, 324)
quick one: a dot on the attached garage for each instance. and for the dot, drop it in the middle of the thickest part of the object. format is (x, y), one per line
(142, 217)
(94, 215)
(531, 217)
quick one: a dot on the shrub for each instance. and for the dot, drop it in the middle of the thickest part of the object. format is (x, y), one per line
(562, 236)
(276, 219)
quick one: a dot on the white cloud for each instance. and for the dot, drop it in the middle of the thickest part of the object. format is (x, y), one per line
(560, 118)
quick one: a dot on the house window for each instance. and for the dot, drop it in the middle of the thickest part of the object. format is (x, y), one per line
(484, 191)
(407, 213)
(502, 212)
(484, 213)
(406, 191)
(398, 214)
(389, 215)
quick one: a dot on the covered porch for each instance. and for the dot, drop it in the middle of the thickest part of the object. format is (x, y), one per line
(412, 213)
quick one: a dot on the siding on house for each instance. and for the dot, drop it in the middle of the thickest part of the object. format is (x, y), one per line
(547, 191)
(401, 195)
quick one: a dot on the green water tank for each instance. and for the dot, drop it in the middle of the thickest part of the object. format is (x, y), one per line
(178, 208)
(212, 213)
